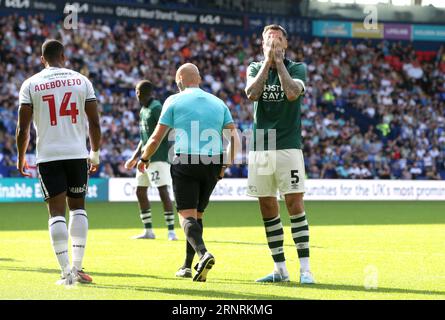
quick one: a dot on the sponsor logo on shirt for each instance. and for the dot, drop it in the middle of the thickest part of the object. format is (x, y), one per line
(273, 93)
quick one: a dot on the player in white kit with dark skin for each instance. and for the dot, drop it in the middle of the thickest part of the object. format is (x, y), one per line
(62, 105)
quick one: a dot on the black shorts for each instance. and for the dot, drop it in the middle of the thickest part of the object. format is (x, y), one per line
(70, 176)
(193, 184)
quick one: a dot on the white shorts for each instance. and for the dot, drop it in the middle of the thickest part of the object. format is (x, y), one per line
(275, 170)
(156, 175)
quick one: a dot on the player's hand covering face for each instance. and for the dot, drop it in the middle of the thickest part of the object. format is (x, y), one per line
(268, 50)
(274, 45)
(278, 51)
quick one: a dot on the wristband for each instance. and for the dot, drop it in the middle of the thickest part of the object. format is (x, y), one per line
(94, 157)
(144, 161)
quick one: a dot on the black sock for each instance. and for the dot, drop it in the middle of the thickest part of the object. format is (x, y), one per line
(146, 218)
(275, 238)
(193, 233)
(189, 251)
(169, 220)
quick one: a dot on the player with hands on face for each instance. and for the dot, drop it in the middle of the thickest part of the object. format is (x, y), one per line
(276, 161)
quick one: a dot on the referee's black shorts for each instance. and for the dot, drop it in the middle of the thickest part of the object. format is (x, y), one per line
(70, 176)
(193, 183)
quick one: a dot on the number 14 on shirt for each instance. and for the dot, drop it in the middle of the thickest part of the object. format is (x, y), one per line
(73, 112)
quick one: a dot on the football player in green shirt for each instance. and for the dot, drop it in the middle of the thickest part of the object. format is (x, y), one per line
(276, 160)
(158, 174)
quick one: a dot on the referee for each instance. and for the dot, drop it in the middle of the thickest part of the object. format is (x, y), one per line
(199, 119)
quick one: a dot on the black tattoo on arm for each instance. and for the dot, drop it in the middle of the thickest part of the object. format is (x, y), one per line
(256, 86)
(292, 88)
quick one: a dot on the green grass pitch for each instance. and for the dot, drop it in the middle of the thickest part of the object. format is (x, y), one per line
(359, 250)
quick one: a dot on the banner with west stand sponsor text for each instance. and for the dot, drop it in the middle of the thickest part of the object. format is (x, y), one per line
(29, 190)
(102, 8)
(239, 21)
(123, 189)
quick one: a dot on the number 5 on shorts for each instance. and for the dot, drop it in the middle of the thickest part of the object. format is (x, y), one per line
(294, 175)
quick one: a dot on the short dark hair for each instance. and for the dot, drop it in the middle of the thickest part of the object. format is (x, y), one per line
(274, 27)
(145, 87)
(52, 49)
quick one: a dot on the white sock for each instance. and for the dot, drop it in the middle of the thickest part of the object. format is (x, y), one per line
(280, 267)
(58, 233)
(78, 227)
(304, 265)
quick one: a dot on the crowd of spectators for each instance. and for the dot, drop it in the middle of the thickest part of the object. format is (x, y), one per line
(371, 110)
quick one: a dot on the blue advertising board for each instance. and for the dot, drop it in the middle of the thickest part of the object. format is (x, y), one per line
(428, 33)
(413, 32)
(29, 190)
(337, 29)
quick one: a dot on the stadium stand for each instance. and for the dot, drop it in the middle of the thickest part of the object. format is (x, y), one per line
(370, 111)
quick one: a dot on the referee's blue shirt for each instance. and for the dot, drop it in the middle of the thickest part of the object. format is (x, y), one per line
(198, 118)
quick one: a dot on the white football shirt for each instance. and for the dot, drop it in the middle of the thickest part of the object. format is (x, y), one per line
(58, 97)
